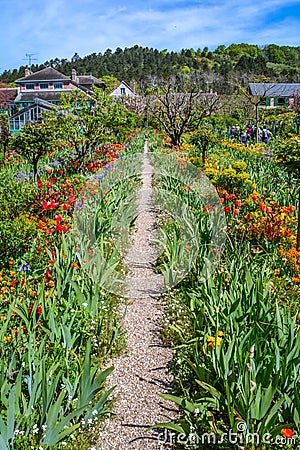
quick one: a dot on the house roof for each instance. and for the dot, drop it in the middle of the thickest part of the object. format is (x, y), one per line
(89, 79)
(8, 95)
(48, 74)
(43, 95)
(274, 89)
(29, 107)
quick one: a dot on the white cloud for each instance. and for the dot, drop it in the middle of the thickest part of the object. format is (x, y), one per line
(59, 28)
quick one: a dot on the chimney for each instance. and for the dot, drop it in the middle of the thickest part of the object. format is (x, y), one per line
(134, 88)
(74, 75)
(27, 72)
(115, 85)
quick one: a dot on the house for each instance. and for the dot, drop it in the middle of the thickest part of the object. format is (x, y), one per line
(7, 100)
(42, 90)
(122, 91)
(48, 84)
(275, 94)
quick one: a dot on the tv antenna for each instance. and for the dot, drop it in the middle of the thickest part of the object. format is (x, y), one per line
(29, 57)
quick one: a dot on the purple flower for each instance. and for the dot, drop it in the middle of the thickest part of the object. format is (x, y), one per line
(24, 268)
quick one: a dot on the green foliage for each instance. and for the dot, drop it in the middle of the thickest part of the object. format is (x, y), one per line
(139, 64)
(15, 234)
(204, 139)
(4, 133)
(230, 366)
(110, 82)
(34, 142)
(17, 195)
(86, 124)
(288, 155)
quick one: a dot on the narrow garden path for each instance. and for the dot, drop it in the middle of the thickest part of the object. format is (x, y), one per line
(143, 372)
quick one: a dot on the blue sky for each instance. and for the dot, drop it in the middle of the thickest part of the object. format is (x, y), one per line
(59, 28)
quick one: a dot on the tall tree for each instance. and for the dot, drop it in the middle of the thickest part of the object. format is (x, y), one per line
(33, 142)
(177, 105)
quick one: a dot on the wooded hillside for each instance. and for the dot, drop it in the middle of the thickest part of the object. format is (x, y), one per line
(138, 64)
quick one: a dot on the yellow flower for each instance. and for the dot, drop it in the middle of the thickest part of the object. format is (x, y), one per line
(212, 341)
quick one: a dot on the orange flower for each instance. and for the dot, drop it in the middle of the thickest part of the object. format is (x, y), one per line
(287, 433)
(75, 265)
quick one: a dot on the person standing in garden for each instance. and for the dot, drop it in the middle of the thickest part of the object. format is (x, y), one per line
(266, 134)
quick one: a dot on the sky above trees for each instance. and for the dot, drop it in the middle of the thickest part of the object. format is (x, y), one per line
(58, 28)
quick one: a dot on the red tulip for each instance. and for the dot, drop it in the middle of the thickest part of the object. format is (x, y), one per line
(39, 310)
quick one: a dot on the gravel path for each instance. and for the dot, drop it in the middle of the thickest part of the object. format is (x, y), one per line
(143, 372)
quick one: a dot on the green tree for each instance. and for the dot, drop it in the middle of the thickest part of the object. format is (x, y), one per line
(203, 139)
(288, 155)
(86, 122)
(33, 142)
(110, 82)
(4, 133)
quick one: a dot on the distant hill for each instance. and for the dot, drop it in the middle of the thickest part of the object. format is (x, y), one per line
(139, 64)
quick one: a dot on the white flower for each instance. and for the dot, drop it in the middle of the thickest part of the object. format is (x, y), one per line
(84, 304)
(90, 421)
(95, 412)
(197, 410)
(44, 427)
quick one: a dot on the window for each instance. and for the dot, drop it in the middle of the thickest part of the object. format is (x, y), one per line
(58, 85)
(29, 85)
(44, 85)
(281, 101)
(122, 91)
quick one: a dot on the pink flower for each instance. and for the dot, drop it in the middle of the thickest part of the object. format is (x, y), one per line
(50, 205)
(72, 199)
(59, 219)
